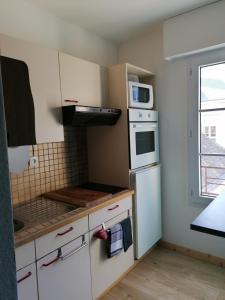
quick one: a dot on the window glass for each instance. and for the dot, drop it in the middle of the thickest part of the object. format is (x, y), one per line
(212, 89)
(212, 175)
(141, 94)
(212, 139)
(145, 142)
(212, 129)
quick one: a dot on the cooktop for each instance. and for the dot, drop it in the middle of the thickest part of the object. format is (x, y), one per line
(102, 187)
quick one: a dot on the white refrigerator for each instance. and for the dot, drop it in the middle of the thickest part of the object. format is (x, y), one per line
(147, 208)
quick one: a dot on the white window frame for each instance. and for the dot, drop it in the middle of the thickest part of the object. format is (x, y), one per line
(194, 63)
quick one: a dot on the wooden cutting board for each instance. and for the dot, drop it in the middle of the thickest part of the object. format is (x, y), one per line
(79, 196)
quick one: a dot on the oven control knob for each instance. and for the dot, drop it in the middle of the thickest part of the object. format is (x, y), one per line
(140, 115)
(149, 115)
(134, 126)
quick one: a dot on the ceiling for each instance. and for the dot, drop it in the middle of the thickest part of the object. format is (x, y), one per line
(117, 20)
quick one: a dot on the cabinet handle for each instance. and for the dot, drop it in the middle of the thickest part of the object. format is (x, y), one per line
(71, 100)
(116, 206)
(65, 232)
(25, 277)
(72, 252)
(51, 262)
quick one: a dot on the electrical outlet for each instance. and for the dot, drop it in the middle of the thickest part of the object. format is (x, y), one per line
(33, 162)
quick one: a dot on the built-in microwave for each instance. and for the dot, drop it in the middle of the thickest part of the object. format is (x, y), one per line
(143, 138)
(140, 95)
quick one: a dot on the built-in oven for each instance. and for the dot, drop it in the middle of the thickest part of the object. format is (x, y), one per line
(143, 137)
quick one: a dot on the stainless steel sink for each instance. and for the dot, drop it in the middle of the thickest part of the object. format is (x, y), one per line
(40, 210)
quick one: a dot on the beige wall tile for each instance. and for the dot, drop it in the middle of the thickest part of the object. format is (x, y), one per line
(59, 164)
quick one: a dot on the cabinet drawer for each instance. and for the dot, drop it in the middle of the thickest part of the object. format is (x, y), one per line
(27, 283)
(109, 212)
(25, 255)
(105, 271)
(60, 237)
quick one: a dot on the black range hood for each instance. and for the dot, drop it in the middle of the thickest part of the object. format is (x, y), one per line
(77, 115)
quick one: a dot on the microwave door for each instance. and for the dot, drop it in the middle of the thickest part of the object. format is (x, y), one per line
(143, 144)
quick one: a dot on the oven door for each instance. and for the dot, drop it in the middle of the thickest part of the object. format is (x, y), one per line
(144, 144)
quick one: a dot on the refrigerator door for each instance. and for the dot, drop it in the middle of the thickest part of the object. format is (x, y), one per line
(147, 209)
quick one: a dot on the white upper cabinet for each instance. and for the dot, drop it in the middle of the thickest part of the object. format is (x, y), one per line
(43, 67)
(81, 81)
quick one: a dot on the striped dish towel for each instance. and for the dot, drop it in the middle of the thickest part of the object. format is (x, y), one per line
(115, 240)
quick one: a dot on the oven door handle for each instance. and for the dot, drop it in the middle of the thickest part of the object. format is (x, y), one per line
(145, 126)
(74, 251)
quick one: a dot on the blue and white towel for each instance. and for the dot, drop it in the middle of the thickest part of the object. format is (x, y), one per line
(115, 240)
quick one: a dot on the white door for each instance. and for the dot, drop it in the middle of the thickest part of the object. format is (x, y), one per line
(68, 277)
(27, 283)
(147, 209)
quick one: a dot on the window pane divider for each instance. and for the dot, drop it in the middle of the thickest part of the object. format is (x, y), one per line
(211, 154)
(211, 109)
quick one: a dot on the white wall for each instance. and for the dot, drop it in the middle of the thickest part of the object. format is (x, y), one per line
(199, 30)
(23, 20)
(171, 97)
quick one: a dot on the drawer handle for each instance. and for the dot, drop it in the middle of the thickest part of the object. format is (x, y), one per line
(54, 260)
(65, 232)
(25, 277)
(51, 262)
(116, 206)
(71, 100)
(72, 252)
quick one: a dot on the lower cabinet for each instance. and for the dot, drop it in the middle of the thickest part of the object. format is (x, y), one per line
(27, 283)
(105, 271)
(64, 274)
(71, 263)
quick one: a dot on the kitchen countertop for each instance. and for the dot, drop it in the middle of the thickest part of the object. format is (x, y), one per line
(26, 235)
(212, 219)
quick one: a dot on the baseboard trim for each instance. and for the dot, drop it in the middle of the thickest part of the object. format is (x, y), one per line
(219, 261)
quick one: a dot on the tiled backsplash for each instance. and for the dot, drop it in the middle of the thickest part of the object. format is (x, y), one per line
(60, 165)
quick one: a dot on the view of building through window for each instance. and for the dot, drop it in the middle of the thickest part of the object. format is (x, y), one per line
(212, 129)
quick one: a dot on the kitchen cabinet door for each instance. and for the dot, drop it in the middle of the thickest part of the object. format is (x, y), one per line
(105, 271)
(80, 81)
(43, 67)
(68, 277)
(27, 283)
(25, 255)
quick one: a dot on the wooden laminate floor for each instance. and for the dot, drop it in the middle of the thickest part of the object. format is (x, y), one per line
(168, 275)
